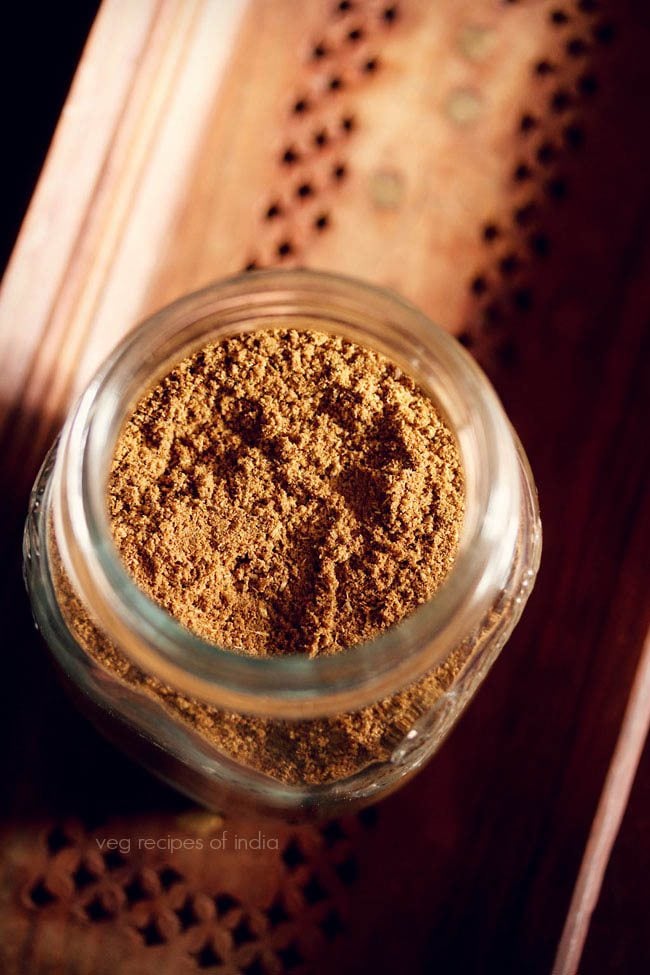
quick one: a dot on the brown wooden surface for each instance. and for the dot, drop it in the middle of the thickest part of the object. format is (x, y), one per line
(531, 241)
(618, 929)
(606, 825)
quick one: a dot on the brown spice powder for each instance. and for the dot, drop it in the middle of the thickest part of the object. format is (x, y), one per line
(286, 492)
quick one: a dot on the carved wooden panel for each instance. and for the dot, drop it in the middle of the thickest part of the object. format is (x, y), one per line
(488, 160)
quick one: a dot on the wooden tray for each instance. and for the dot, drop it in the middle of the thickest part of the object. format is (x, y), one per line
(489, 161)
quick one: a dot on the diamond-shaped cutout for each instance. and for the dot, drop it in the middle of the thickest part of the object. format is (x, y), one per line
(277, 913)
(135, 892)
(151, 935)
(256, 967)
(313, 891)
(57, 840)
(96, 910)
(186, 915)
(114, 860)
(368, 817)
(290, 956)
(40, 895)
(333, 832)
(293, 855)
(347, 871)
(331, 925)
(242, 933)
(225, 903)
(83, 877)
(168, 877)
(207, 957)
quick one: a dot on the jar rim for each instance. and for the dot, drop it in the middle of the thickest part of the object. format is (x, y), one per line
(289, 686)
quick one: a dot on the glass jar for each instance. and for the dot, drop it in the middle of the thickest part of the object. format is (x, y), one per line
(82, 594)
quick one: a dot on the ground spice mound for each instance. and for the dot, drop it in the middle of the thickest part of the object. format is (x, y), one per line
(284, 492)
(287, 492)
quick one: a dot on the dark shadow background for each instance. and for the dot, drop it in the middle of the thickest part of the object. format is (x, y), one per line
(565, 365)
(41, 46)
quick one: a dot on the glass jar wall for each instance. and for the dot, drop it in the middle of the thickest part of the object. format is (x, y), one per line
(162, 693)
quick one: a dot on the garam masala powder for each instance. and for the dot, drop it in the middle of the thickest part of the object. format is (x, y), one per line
(285, 492)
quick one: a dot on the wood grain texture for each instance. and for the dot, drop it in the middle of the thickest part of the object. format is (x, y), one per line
(607, 822)
(618, 929)
(428, 123)
(56, 216)
(99, 214)
(494, 170)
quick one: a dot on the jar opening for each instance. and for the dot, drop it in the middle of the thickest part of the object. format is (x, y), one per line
(290, 686)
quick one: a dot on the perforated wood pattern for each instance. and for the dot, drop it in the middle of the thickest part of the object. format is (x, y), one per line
(313, 162)
(551, 135)
(489, 161)
(260, 899)
(426, 146)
